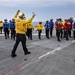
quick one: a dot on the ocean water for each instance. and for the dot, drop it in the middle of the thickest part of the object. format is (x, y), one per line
(35, 23)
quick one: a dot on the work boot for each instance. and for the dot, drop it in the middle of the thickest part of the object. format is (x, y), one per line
(13, 55)
(27, 53)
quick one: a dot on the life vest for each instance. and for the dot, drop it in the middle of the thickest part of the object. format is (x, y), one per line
(58, 25)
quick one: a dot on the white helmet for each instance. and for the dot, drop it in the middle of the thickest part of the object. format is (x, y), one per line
(20, 14)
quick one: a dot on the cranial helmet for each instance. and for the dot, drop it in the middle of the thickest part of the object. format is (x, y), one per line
(21, 14)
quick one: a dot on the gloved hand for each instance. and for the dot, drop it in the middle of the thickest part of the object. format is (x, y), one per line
(34, 14)
(18, 11)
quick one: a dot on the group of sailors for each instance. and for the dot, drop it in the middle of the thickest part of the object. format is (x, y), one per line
(7, 28)
(22, 27)
(63, 29)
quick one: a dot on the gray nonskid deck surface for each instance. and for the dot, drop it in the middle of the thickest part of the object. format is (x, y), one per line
(61, 62)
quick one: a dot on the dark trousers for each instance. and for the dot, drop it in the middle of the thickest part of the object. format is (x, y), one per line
(51, 31)
(29, 33)
(39, 33)
(6, 32)
(22, 38)
(64, 33)
(61, 33)
(67, 34)
(13, 33)
(47, 33)
(58, 34)
(1, 30)
(74, 34)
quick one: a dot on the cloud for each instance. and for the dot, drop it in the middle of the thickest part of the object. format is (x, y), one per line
(34, 3)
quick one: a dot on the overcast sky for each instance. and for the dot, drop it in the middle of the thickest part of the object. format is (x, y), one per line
(44, 9)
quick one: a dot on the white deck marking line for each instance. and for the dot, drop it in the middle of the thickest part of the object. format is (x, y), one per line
(73, 41)
(51, 52)
(57, 49)
(36, 59)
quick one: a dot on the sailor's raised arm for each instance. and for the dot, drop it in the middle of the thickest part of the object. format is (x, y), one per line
(16, 13)
(33, 14)
(30, 19)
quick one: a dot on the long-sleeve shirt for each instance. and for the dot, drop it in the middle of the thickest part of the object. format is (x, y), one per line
(21, 26)
(67, 25)
(30, 26)
(58, 25)
(1, 24)
(12, 25)
(47, 26)
(51, 24)
(39, 27)
(6, 25)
